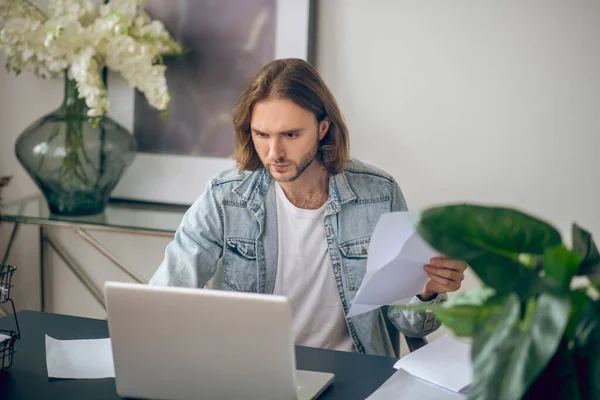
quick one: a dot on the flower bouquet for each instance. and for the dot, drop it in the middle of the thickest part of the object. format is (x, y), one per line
(77, 154)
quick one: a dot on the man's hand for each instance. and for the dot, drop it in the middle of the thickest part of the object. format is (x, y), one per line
(445, 275)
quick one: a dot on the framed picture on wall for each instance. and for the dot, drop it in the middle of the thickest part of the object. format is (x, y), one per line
(228, 41)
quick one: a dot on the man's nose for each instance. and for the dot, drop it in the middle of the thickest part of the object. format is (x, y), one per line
(276, 150)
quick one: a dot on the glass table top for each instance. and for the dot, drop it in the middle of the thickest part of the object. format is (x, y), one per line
(158, 219)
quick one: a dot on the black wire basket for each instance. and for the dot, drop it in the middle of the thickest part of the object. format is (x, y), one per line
(7, 337)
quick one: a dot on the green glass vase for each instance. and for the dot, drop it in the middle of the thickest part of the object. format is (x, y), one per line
(74, 160)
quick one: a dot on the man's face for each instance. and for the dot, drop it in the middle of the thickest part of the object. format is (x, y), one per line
(286, 138)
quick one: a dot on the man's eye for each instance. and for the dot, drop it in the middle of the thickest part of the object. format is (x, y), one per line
(291, 135)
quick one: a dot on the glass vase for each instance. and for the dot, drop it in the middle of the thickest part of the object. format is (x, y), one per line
(76, 161)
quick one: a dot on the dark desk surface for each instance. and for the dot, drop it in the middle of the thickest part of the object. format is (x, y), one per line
(357, 375)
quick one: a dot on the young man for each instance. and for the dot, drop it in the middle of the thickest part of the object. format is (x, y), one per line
(296, 217)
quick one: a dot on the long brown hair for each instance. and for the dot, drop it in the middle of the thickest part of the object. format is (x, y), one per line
(296, 80)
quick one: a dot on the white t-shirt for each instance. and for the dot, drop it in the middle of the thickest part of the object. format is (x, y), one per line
(305, 276)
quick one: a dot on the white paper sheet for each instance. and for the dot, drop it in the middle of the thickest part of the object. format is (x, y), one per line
(445, 362)
(402, 385)
(79, 359)
(395, 263)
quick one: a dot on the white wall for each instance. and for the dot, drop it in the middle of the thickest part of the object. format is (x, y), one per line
(479, 101)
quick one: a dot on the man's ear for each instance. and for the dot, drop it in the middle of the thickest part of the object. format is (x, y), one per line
(324, 127)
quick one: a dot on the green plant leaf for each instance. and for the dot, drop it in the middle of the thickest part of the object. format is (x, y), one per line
(489, 350)
(491, 240)
(461, 312)
(509, 352)
(579, 299)
(472, 297)
(584, 246)
(587, 350)
(561, 264)
(461, 320)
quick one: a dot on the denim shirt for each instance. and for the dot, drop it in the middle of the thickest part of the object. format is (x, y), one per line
(235, 221)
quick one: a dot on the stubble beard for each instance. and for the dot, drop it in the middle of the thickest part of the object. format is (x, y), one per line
(300, 168)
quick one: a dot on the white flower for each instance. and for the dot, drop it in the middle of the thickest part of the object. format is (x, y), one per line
(127, 8)
(84, 70)
(79, 36)
(82, 11)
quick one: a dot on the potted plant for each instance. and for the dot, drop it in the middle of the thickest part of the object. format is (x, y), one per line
(535, 333)
(76, 154)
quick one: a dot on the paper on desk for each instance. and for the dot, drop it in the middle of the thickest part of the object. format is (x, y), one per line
(395, 263)
(402, 385)
(445, 362)
(79, 359)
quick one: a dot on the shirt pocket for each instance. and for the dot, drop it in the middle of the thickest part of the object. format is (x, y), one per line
(239, 264)
(354, 261)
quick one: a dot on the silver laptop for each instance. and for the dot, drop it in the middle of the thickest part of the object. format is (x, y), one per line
(176, 343)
